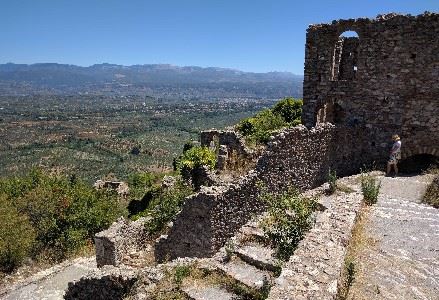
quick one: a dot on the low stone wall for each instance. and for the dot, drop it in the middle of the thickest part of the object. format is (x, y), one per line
(108, 283)
(122, 237)
(297, 157)
(208, 219)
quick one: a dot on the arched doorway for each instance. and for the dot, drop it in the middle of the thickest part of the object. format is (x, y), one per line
(419, 160)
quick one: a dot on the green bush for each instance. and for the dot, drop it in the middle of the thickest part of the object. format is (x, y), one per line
(332, 180)
(258, 129)
(180, 273)
(289, 218)
(16, 236)
(140, 183)
(370, 188)
(290, 109)
(61, 214)
(165, 204)
(195, 157)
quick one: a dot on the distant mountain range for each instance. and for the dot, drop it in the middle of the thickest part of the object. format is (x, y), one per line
(156, 80)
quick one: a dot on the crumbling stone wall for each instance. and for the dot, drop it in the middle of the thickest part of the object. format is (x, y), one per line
(386, 81)
(298, 157)
(123, 236)
(108, 283)
(232, 151)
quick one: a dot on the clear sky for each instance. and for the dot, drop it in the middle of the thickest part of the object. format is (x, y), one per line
(250, 35)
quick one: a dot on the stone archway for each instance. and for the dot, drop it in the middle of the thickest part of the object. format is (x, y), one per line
(418, 151)
(418, 159)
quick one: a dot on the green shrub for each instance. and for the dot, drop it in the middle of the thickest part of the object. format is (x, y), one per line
(63, 214)
(258, 129)
(350, 272)
(332, 180)
(165, 204)
(180, 273)
(370, 188)
(16, 236)
(195, 157)
(290, 109)
(289, 218)
(140, 183)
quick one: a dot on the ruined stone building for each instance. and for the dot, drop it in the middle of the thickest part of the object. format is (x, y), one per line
(383, 77)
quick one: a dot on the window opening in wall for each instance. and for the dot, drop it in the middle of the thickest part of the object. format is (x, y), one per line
(346, 56)
(331, 112)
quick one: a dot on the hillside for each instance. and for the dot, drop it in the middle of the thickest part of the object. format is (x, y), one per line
(157, 80)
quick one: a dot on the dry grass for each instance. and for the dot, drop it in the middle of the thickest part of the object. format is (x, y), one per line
(360, 240)
(202, 277)
(42, 262)
(431, 196)
(344, 188)
(167, 288)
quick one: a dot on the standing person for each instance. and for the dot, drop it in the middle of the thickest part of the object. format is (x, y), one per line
(395, 155)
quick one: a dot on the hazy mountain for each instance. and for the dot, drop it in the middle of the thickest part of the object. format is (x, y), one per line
(159, 80)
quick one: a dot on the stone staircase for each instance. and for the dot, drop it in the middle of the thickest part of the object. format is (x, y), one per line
(246, 267)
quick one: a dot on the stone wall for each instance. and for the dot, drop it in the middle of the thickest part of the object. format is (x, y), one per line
(386, 80)
(123, 236)
(232, 151)
(298, 157)
(107, 283)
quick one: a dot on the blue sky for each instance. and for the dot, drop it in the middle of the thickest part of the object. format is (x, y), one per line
(250, 35)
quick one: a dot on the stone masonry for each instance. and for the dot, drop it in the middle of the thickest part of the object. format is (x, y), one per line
(298, 157)
(232, 151)
(385, 80)
(122, 237)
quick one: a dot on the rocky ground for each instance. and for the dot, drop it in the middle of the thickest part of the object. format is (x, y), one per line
(403, 260)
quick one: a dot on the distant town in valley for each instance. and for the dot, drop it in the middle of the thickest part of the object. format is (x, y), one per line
(88, 120)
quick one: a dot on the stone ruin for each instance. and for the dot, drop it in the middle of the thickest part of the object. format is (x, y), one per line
(120, 187)
(358, 92)
(384, 80)
(233, 154)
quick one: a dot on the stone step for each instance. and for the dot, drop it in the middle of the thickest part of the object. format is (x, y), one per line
(259, 256)
(204, 291)
(253, 232)
(247, 274)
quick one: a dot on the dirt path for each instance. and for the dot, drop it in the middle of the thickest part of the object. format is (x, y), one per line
(403, 263)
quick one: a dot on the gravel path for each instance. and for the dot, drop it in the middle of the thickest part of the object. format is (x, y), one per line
(404, 261)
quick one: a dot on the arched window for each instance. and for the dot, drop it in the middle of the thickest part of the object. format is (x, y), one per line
(346, 56)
